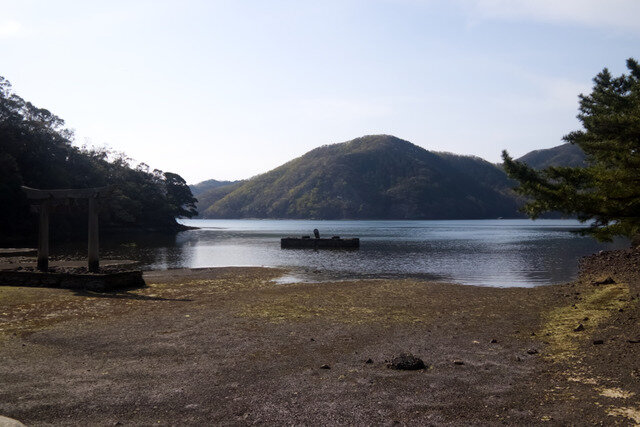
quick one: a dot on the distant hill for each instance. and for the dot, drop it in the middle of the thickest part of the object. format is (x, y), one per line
(206, 199)
(562, 155)
(204, 186)
(377, 176)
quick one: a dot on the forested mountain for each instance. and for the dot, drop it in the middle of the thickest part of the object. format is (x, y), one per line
(208, 185)
(210, 197)
(562, 155)
(36, 150)
(376, 176)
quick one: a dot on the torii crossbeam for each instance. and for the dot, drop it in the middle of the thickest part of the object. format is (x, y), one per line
(45, 199)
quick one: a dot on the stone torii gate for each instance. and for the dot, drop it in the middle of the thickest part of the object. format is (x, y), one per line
(45, 200)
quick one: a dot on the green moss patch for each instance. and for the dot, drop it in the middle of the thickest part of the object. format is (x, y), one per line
(559, 327)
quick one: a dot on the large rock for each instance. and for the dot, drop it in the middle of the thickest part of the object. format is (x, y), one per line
(407, 362)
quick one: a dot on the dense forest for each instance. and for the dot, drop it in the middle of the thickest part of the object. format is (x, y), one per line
(36, 150)
(373, 177)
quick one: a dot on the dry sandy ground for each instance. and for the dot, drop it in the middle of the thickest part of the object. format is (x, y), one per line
(229, 346)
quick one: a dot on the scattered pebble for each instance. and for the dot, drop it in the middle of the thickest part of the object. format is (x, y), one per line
(369, 361)
(494, 341)
(598, 342)
(579, 328)
(325, 366)
(532, 351)
(458, 362)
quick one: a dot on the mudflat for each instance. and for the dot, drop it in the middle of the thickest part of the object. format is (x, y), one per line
(231, 346)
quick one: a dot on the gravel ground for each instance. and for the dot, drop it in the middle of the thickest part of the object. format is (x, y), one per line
(229, 346)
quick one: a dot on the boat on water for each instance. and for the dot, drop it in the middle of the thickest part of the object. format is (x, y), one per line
(316, 242)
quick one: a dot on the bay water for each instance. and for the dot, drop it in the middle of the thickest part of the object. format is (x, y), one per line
(501, 253)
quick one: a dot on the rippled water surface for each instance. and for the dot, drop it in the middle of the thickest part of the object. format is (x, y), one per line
(478, 252)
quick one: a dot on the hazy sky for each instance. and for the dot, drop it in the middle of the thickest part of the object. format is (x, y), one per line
(230, 89)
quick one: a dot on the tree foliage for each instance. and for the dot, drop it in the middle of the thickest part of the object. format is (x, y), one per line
(37, 151)
(607, 190)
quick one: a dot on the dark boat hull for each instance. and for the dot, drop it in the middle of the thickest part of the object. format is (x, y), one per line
(298, 243)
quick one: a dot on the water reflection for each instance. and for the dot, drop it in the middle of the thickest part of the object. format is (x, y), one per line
(488, 253)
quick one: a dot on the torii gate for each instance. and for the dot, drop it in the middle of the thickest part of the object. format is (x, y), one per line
(46, 199)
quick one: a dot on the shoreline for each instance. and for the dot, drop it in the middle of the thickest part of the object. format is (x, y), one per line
(225, 345)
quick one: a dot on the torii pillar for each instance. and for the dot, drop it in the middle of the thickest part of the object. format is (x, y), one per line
(46, 198)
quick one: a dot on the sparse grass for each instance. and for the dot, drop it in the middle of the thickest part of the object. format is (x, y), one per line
(596, 307)
(564, 344)
(374, 301)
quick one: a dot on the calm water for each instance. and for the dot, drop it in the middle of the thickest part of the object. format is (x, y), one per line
(478, 252)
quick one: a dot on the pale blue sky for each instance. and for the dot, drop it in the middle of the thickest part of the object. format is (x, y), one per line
(230, 89)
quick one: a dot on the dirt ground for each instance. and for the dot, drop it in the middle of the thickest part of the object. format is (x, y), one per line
(230, 346)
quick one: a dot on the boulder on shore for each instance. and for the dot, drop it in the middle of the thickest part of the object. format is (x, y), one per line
(407, 362)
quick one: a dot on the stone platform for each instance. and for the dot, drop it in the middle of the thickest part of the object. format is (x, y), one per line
(70, 274)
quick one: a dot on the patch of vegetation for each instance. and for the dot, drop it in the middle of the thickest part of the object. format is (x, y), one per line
(377, 303)
(560, 324)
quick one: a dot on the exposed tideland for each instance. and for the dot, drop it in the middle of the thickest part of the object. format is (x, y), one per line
(229, 345)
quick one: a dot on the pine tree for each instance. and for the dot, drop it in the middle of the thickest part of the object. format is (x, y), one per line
(606, 191)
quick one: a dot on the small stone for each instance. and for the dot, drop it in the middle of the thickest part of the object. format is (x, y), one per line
(325, 366)
(607, 281)
(585, 319)
(406, 362)
(369, 361)
(458, 362)
(494, 341)
(532, 351)
(634, 341)
(312, 339)
(598, 342)
(579, 328)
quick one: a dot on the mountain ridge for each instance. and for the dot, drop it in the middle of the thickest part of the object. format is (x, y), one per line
(372, 177)
(562, 155)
